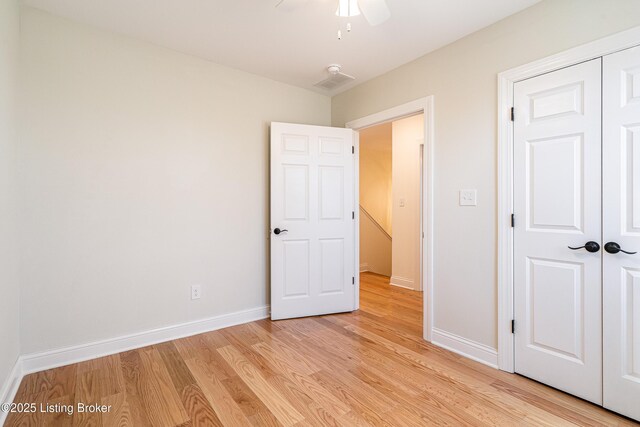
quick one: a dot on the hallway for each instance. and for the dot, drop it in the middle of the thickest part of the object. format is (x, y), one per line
(399, 307)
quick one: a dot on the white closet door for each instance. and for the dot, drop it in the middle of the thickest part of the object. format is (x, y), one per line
(557, 197)
(621, 222)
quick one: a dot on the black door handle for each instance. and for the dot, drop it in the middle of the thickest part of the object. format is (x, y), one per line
(278, 231)
(589, 246)
(614, 248)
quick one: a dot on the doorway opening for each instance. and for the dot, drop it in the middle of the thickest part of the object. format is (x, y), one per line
(390, 221)
(424, 106)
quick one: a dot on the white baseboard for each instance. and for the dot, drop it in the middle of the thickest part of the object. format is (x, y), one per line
(364, 267)
(36, 362)
(10, 388)
(402, 282)
(465, 347)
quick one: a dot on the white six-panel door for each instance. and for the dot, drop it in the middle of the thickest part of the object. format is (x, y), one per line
(621, 225)
(312, 220)
(557, 205)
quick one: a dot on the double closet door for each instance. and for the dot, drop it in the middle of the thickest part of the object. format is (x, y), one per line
(577, 230)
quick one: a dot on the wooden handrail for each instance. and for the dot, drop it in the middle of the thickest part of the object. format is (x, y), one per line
(375, 222)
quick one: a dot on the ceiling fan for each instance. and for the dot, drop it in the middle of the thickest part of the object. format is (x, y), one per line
(375, 11)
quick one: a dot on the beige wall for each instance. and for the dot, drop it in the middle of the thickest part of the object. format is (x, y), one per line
(375, 199)
(9, 285)
(408, 134)
(375, 246)
(375, 174)
(462, 77)
(143, 171)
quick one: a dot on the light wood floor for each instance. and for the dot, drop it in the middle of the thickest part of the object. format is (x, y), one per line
(369, 367)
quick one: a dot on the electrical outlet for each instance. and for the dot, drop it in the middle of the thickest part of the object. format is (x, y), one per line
(196, 291)
(468, 197)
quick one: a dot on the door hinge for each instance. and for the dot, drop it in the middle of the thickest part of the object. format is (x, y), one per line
(353, 214)
(353, 149)
(513, 326)
(513, 220)
(513, 114)
(353, 280)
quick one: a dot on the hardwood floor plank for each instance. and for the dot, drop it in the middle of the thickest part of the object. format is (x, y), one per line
(356, 398)
(50, 384)
(198, 408)
(88, 392)
(264, 419)
(366, 368)
(308, 385)
(284, 358)
(59, 418)
(109, 372)
(131, 372)
(120, 413)
(178, 370)
(243, 342)
(200, 348)
(278, 405)
(247, 400)
(163, 403)
(352, 418)
(314, 415)
(226, 409)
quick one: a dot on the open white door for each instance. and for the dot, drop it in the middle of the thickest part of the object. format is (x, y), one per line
(312, 220)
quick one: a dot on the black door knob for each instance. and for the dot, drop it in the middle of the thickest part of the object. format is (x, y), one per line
(614, 248)
(589, 246)
(278, 231)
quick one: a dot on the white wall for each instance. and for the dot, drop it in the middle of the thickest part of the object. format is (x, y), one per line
(9, 285)
(143, 171)
(462, 77)
(407, 135)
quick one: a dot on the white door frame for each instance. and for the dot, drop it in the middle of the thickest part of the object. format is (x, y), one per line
(506, 80)
(425, 106)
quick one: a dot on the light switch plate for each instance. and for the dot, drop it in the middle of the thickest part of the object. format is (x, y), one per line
(468, 197)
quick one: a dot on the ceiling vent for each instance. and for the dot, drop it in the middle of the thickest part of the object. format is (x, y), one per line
(335, 79)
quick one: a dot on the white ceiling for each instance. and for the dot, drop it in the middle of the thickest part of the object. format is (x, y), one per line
(296, 46)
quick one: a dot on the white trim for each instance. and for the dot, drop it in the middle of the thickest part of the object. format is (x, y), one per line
(402, 282)
(506, 80)
(464, 347)
(395, 113)
(421, 216)
(36, 362)
(10, 387)
(356, 225)
(426, 106)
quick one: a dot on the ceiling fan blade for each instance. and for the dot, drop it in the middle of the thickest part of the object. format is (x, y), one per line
(289, 5)
(375, 11)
